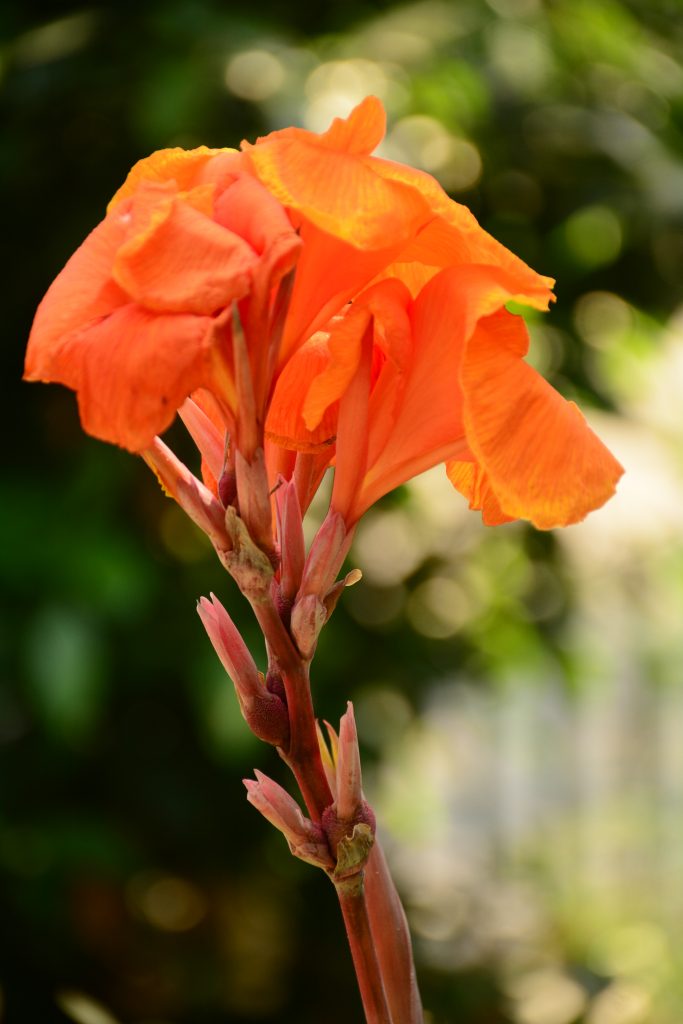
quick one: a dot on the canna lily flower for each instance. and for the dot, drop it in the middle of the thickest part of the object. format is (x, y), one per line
(441, 378)
(360, 216)
(140, 317)
(341, 300)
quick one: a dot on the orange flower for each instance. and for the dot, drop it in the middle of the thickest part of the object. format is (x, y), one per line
(441, 378)
(360, 216)
(140, 316)
(393, 351)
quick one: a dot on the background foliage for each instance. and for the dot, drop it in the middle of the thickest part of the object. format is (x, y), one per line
(520, 695)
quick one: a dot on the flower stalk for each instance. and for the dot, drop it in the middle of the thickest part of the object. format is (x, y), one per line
(298, 326)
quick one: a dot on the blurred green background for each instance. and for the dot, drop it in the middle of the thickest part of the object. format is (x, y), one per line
(519, 695)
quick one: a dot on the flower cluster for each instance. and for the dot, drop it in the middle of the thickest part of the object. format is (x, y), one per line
(303, 305)
(322, 307)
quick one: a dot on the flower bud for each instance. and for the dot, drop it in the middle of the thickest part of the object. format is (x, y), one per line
(254, 498)
(326, 555)
(291, 536)
(306, 839)
(349, 797)
(193, 497)
(264, 712)
(207, 437)
(308, 617)
(349, 822)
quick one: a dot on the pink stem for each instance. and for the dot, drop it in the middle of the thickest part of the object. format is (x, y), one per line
(303, 753)
(356, 921)
(392, 940)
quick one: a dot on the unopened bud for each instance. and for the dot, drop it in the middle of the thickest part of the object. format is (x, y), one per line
(205, 434)
(264, 712)
(349, 822)
(254, 498)
(193, 497)
(308, 618)
(291, 536)
(306, 839)
(326, 556)
(349, 780)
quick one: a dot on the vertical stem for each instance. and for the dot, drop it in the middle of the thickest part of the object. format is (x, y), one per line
(354, 911)
(391, 935)
(303, 755)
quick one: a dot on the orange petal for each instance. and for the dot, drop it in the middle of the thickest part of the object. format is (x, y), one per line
(453, 237)
(223, 423)
(82, 293)
(470, 480)
(285, 423)
(246, 208)
(329, 273)
(133, 369)
(391, 305)
(249, 210)
(358, 133)
(540, 458)
(177, 258)
(182, 166)
(344, 351)
(428, 423)
(328, 180)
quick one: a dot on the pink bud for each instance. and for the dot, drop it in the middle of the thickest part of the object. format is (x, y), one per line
(308, 617)
(325, 558)
(291, 535)
(265, 712)
(305, 838)
(207, 437)
(254, 498)
(349, 799)
(349, 809)
(231, 649)
(193, 497)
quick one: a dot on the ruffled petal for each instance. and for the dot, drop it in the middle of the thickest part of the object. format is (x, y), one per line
(428, 425)
(473, 483)
(183, 166)
(285, 424)
(539, 457)
(453, 237)
(330, 181)
(343, 345)
(82, 293)
(177, 258)
(133, 369)
(248, 209)
(359, 133)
